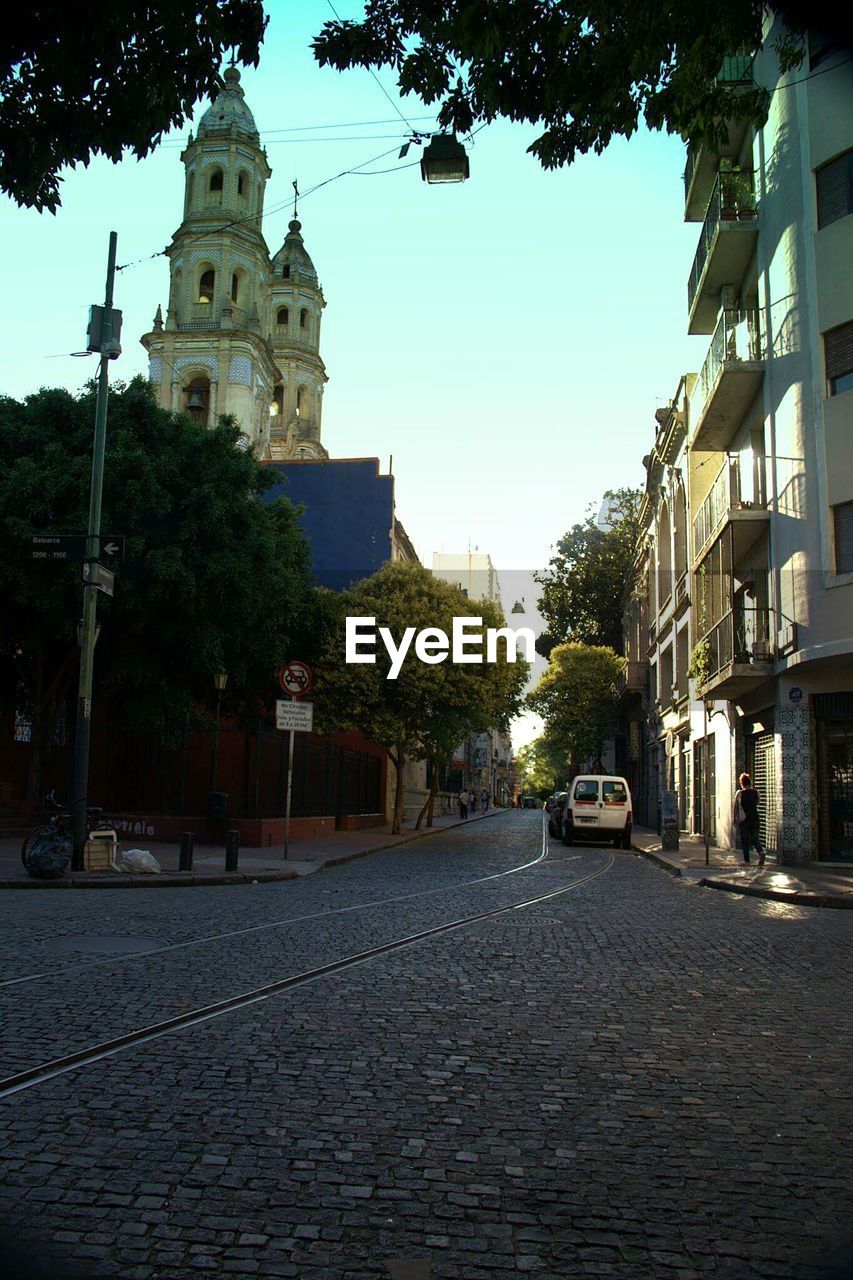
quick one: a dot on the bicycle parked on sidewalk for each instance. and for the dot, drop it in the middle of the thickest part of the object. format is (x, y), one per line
(47, 849)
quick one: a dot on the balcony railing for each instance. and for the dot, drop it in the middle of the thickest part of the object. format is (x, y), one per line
(199, 317)
(732, 200)
(741, 637)
(738, 338)
(726, 494)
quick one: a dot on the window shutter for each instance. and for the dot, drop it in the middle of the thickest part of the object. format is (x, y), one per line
(835, 189)
(838, 349)
(844, 537)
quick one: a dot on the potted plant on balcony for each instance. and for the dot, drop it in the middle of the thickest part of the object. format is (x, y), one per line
(700, 665)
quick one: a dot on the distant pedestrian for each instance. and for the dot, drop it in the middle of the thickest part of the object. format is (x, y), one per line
(484, 800)
(473, 801)
(464, 798)
(747, 819)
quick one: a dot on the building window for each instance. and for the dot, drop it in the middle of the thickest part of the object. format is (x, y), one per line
(235, 288)
(835, 189)
(303, 319)
(241, 184)
(197, 395)
(206, 286)
(285, 271)
(302, 401)
(215, 183)
(282, 316)
(820, 48)
(843, 514)
(838, 351)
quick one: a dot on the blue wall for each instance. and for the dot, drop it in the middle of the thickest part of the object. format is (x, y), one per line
(348, 516)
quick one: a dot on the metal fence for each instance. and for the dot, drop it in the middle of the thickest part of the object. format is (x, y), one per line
(732, 200)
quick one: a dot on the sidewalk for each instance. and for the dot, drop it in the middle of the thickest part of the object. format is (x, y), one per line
(255, 865)
(812, 885)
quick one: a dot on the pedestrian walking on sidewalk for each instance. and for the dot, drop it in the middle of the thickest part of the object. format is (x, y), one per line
(747, 820)
(463, 804)
(473, 801)
(484, 800)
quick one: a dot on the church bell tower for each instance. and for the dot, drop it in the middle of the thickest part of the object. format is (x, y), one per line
(241, 334)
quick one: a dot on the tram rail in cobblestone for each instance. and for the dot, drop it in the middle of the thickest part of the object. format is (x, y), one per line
(275, 924)
(46, 1071)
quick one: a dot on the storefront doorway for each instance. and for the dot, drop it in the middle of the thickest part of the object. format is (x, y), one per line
(835, 776)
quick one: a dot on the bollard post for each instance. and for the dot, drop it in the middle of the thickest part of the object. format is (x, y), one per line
(185, 861)
(232, 850)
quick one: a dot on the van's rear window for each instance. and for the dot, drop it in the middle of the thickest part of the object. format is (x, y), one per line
(614, 793)
(586, 791)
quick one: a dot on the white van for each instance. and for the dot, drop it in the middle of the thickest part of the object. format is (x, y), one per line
(598, 806)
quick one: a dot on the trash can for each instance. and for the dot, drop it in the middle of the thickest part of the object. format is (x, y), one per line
(217, 806)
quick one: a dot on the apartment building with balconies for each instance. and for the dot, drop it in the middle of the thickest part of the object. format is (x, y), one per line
(769, 463)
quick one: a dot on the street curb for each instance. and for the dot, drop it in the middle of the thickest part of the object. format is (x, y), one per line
(181, 880)
(773, 895)
(657, 860)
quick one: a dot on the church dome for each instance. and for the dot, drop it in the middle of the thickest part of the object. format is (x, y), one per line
(228, 107)
(295, 256)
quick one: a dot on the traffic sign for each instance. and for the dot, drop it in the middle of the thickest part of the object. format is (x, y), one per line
(112, 545)
(72, 546)
(96, 575)
(298, 717)
(296, 679)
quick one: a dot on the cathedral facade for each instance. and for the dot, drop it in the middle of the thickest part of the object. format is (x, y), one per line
(242, 329)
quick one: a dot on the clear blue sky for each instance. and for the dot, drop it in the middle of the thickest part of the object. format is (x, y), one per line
(506, 340)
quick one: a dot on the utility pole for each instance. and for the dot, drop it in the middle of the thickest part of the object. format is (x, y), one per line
(104, 332)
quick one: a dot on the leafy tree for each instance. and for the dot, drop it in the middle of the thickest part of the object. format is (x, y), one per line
(429, 708)
(542, 764)
(78, 80)
(213, 580)
(583, 583)
(588, 71)
(576, 696)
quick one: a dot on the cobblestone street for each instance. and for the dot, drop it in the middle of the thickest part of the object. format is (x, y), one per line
(637, 1078)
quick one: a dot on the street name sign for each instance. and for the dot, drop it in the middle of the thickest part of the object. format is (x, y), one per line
(95, 575)
(62, 547)
(298, 717)
(59, 546)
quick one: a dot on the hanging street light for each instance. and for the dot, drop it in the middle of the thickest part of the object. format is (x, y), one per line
(445, 160)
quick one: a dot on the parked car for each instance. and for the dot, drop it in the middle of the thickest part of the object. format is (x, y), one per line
(598, 806)
(555, 814)
(530, 802)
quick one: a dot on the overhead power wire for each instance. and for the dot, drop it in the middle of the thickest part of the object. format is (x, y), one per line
(376, 78)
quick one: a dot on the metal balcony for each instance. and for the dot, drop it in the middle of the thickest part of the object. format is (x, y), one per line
(729, 379)
(700, 171)
(726, 245)
(740, 653)
(727, 506)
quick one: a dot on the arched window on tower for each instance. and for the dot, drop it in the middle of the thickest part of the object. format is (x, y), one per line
(214, 187)
(277, 406)
(303, 402)
(197, 399)
(282, 317)
(239, 289)
(285, 271)
(303, 318)
(235, 288)
(243, 189)
(206, 286)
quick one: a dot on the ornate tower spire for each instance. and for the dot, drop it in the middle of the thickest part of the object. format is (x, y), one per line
(211, 358)
(296, 306)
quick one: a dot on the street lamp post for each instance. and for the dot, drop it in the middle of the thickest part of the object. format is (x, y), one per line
(220, 681)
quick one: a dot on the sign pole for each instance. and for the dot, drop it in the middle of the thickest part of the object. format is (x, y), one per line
(80, 776)
(292, 740)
